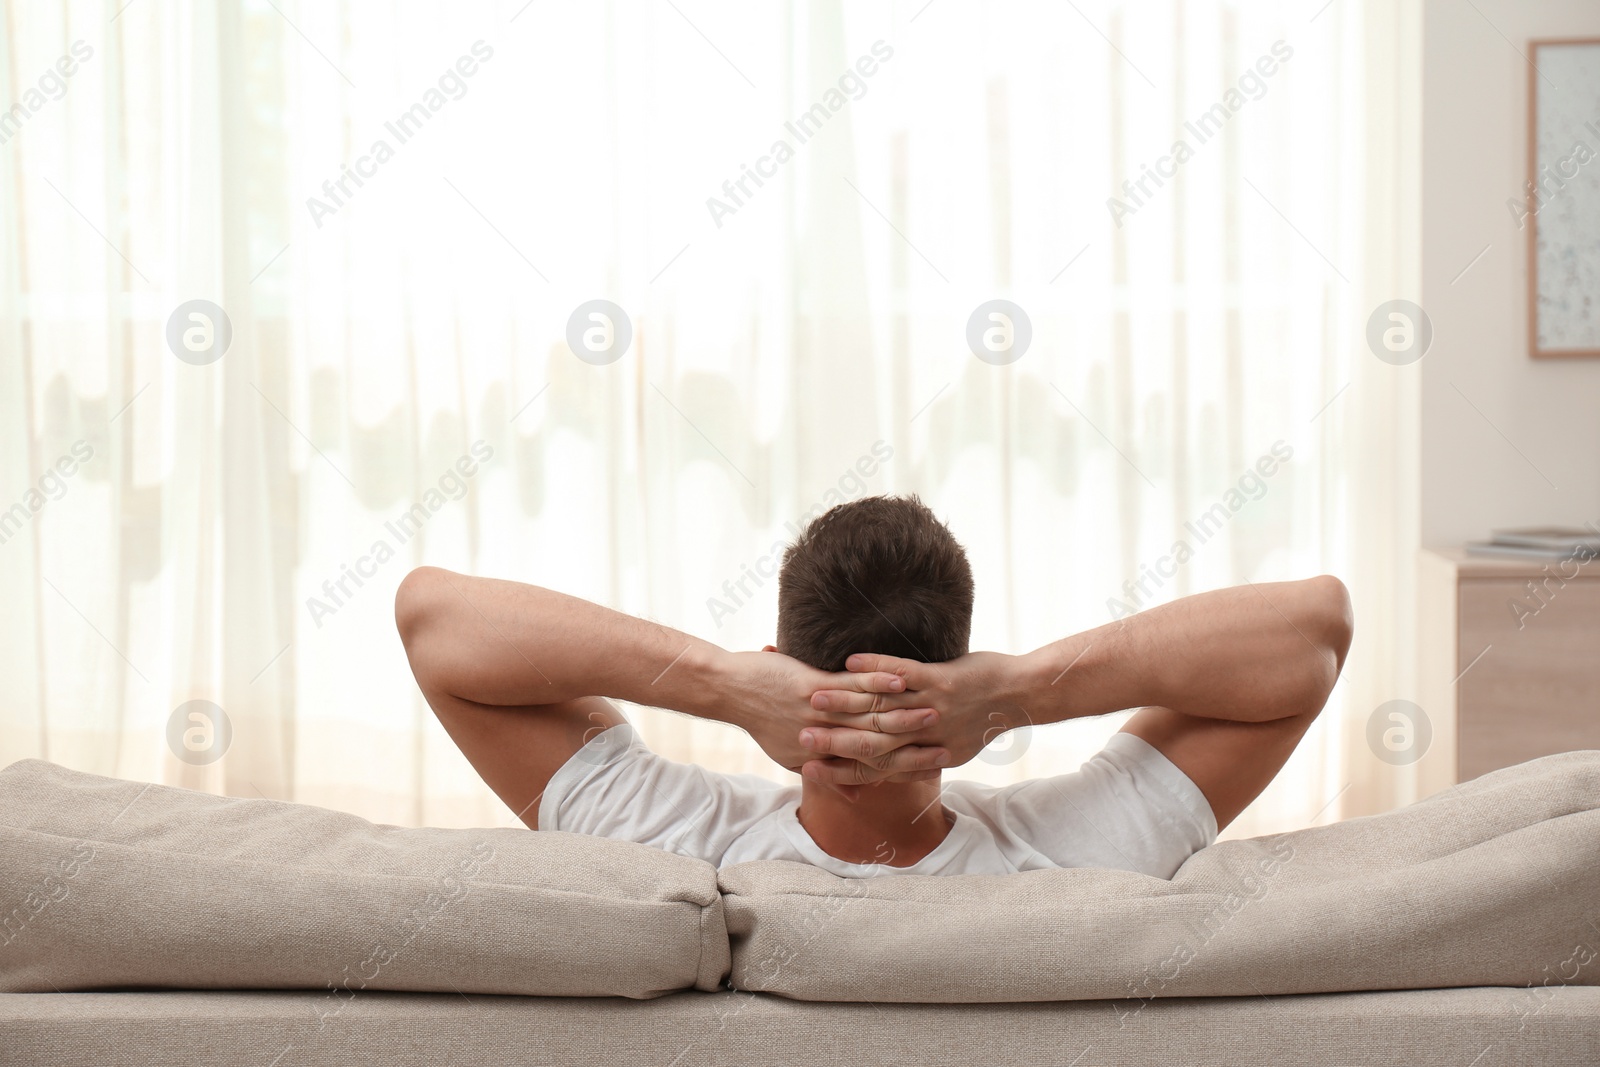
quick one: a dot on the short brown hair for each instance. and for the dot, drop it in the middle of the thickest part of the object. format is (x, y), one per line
(881, 574)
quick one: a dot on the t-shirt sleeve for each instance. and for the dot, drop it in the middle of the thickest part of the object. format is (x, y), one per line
(1128, 808)
(614, 786)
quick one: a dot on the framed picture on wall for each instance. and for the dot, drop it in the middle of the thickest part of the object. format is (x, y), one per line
(1563, 198)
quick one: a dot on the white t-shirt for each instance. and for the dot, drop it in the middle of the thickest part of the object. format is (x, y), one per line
(1128, 808)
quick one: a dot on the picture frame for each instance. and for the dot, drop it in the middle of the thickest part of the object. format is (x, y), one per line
(1562, 204)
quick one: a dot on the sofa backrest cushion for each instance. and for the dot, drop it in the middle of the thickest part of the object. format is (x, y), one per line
(1491, 883)
(108, 883)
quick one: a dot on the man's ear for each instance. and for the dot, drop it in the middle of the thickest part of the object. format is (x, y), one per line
(769, 648)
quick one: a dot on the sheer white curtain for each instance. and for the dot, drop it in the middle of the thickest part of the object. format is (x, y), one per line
(798, 208)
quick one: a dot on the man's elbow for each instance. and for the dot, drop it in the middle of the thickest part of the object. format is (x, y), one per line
(1329, 618)
(418, 604)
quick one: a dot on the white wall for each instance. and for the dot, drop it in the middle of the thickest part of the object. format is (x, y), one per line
(1484, 470)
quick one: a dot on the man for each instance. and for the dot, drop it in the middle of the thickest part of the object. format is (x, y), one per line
(869, 694)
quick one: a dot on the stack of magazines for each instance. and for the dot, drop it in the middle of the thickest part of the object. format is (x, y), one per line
(1541, 542)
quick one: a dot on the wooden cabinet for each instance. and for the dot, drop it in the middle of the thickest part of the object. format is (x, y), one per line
(1510, 660)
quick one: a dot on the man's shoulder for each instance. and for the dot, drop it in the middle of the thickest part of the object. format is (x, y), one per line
(616, 786)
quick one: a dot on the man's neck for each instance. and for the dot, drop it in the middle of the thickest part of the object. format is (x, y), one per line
(897, 823)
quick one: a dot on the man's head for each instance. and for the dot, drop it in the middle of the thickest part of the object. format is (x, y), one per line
(881, 574)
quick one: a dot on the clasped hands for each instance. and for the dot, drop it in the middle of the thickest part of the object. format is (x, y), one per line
(882, 719)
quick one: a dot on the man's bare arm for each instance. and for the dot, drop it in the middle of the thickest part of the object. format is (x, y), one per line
(1228, 680)
(519, 674)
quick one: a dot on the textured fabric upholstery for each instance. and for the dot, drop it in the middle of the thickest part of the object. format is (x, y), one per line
(1420, 1028)
(108, 883)
(1489, 883)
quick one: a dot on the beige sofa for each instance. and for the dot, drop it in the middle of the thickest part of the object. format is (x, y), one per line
(145, 924)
